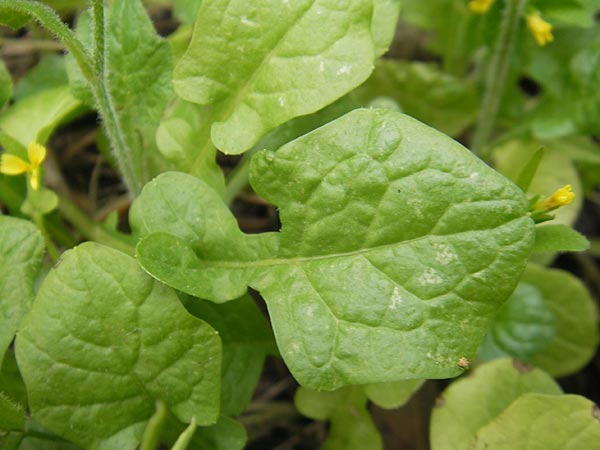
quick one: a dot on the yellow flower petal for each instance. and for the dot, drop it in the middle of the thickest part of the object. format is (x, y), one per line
(480, 6)
(34, 180)
(541, 30)
(561, 197)
(13, 165)
(36, 154)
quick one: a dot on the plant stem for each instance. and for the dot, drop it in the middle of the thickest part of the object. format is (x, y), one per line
(105, 103)
(153, 431)
(238, 178)
(49, 20)
(184, 438)
(496, 76)
(92, 230)
(50, 247)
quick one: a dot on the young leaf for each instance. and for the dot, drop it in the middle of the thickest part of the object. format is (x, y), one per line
(559, 238)
(264, 63)
(471, 403)
(523, 326)
(119, 341)
(21, 252)
(575, 319)
(36, 116)
(528, 172)
(393, 394)
(543, 422)
(397, 247)
(351, 425)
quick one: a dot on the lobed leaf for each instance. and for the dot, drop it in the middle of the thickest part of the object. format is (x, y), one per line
(291, 58)
(21, 252)
(102, 337)
(396, 249)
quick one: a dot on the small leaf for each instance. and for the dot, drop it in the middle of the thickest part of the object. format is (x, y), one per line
(353, 276)
(523, 326)
(575, 316)
(291, 58)
(542, 422)
(12, 416)
(528, 172)
(471, 403)
(21, 252)
(393, 394)
(120, 341)
(49, 73)
(351, 425)
(559, 238)
(36, 116)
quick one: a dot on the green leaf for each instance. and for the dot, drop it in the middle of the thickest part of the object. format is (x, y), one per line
(529, 170)
(261, 64)
(559, 238)
(575, 318)
(394, 236)
(49, 73)
(471, 403)
(246, 338)
(6, 85)
(568, 72)
(21, 252)
(12, 415)
(351, 425)
(543, 422)
(393, 394)
(36, 116)
(186, 10)
(119, 341)
(425, 93)
(523, 326)
(182, 128)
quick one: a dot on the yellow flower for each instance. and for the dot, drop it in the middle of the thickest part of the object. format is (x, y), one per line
(561, 197)
(13, 165)
(541, 30)
(480, 6)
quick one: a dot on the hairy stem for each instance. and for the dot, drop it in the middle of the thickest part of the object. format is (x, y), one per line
(49, 20)
(496, 76)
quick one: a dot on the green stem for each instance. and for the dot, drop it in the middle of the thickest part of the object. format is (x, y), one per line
(49, 20)
(238, 178)
(184, 438)
(496, 76)
(105, 103)
(52, 250)
(153, 431)
(92, 230)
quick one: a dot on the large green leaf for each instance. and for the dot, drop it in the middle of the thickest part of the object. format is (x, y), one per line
(263, 63)
(471, 403)
(351, 425)
(21, 252)
(394, 237)
(543, 422)
(103, 337)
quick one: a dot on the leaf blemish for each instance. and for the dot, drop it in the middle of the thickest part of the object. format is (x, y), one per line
(444, 254)
(396, 299)
(429, 276)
